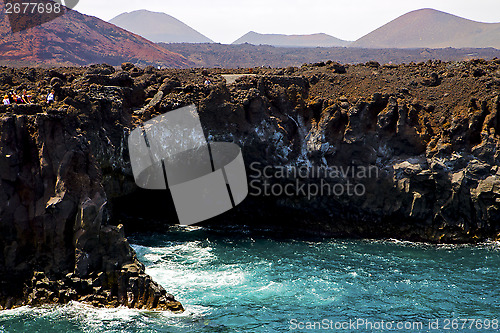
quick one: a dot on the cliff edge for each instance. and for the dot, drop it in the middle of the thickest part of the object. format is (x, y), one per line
(431, 130)
(55, 240)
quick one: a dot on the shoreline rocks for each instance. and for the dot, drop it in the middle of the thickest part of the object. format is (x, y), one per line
(129, 287)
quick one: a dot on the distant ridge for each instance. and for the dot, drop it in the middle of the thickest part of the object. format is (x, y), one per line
(314, 40)
(158, 27)
(433, 29)
(248, 55)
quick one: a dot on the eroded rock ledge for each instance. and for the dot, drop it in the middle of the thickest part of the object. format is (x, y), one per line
(55, 241)
(66, 185)
(129, 287)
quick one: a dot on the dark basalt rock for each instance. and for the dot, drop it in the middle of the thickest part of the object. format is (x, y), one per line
(55, 241)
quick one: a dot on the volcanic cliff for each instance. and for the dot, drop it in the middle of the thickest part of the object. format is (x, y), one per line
(430, 129)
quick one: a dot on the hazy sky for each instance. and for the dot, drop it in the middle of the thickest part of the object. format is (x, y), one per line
(225, 21)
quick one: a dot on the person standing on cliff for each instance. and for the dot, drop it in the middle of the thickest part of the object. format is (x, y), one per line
(6, 100)
(50, 97)
(17, 99)
(25, 97)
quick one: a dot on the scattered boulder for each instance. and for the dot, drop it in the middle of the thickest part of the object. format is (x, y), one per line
(432, 81)
(127, 66)
(101, 69)
(372, 64)
(56, 82)
(336, 67)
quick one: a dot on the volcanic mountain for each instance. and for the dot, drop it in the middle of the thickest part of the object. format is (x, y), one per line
(429, 28)
(314, 40)
(77, 39)
(159, 27)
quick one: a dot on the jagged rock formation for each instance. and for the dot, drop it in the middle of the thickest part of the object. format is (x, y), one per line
(431, 131)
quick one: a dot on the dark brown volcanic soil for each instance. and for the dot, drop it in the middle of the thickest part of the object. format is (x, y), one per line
(443, 89)
(445, 95)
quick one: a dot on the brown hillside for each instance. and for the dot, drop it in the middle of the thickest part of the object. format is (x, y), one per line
(77, 39)
(434, 29)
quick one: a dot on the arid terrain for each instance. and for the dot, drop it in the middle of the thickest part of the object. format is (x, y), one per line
(77, 39)
(247, 55)
(312, 40)
(433, 29)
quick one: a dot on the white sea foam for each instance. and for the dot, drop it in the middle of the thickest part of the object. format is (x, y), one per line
(190, 253)
(176, 277)
(182, 268)
(91, 319)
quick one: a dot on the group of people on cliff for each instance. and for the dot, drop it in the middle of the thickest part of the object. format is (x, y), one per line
(25, 98)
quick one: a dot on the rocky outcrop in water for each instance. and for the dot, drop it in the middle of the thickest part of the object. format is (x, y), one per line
(429, 130)
(55, 240)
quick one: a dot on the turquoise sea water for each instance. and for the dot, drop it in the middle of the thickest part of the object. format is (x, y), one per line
(247, 283)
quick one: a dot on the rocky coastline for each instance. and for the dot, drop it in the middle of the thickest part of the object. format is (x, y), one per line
(431, 129)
